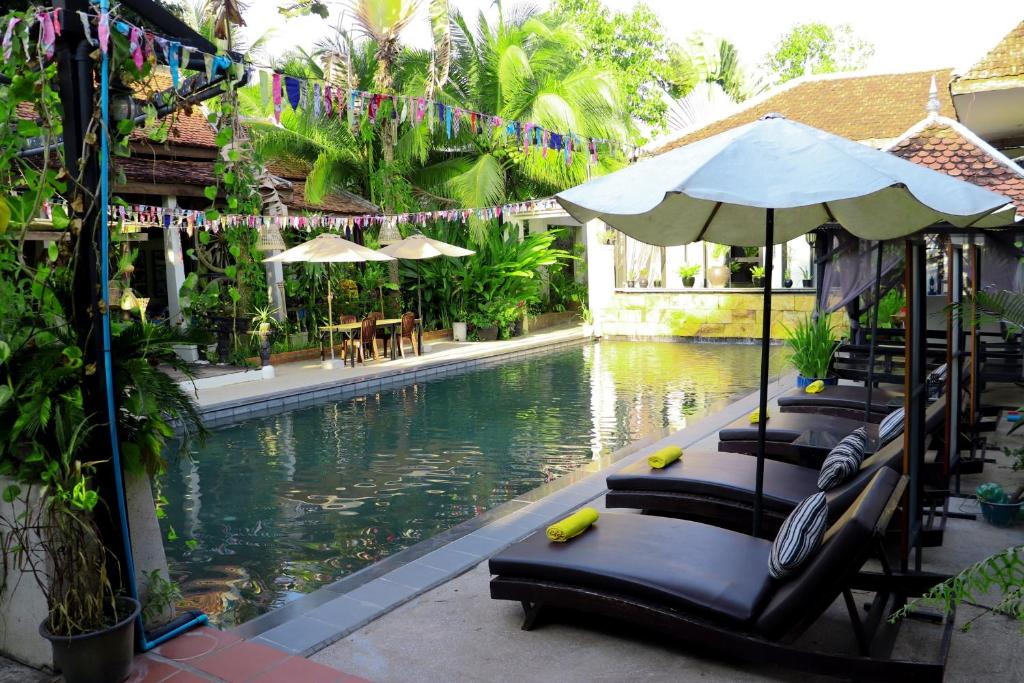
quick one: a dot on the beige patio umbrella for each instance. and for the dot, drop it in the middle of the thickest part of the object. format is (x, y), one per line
(329, 249)
(419, 247)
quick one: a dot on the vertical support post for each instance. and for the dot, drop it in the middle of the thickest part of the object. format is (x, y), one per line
(874, 330)
(975, 346)
(915, 396)
(954, 356)
(174, 267)
(77, 94)
(600, 273)
(766, 334)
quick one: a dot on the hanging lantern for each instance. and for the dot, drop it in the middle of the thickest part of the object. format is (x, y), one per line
(389, 233)
(128, 300)
(270, 239)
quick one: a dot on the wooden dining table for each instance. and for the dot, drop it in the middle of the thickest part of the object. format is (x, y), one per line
(351, 333)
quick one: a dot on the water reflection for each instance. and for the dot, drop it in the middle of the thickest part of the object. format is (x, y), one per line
(281, 505)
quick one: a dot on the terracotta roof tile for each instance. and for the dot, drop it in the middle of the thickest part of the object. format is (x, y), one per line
(866, 108)
(335, 201)
(972, 163)
(1004, 62)
(165, 172)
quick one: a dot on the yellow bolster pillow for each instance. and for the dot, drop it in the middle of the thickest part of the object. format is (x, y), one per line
(755, 416)
(815, 387)
(573, 525)
(665, 456)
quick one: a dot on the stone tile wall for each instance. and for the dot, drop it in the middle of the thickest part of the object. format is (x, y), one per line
(710, 314)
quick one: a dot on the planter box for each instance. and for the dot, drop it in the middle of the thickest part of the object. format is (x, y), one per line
(546, 320)
(300, 355)
(187, 352)
(437, 335)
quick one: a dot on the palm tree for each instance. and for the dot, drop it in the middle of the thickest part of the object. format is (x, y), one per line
(518, 68)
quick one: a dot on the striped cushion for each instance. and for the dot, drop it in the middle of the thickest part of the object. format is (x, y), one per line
(843, 460)
(890, 427)
(799, 536)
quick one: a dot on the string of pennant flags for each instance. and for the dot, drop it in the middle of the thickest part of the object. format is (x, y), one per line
(191, 220)
(325, 100)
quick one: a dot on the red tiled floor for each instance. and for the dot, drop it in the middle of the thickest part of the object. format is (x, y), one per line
(196, 643)
(240, 662)
(299, 669)
(148, 670)
(186, 677)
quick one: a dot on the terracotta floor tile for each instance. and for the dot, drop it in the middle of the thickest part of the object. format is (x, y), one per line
(187, 677)
(296, 669)
(148, 670)
(196, 643)
(240, 662)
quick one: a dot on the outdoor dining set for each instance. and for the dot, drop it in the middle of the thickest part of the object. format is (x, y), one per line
(360, 335)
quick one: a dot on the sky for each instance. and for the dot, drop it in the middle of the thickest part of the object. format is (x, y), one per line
(908, 35)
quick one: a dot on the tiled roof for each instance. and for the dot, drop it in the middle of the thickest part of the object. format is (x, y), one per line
(165, 172)
(291, 169)
(189, 127)
(866, 108)
(1002, 67)
(334, 201)
(947, 146)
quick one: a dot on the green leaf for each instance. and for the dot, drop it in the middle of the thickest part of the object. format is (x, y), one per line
(210, 192)
(234, 294)
(172, 535)
(191, 544)
(224, 136)
(125, 126)
(52, 251)
(212, 214)
(60, 217)
(231, 272)
(204, 237)
(6, 393)
(11, 493)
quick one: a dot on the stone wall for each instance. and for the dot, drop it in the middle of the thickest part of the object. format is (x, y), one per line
(723, 313)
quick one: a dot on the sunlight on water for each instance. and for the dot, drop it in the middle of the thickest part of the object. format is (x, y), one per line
(279, 506)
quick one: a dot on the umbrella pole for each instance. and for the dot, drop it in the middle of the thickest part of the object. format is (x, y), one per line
(874, 333)
(419, 297)
(330, 311)
(766, 332)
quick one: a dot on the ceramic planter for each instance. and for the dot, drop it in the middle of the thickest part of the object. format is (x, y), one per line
(1000, 514)
(644, 282)
(101, 656)
(487, 333)
(689, 281)
(808, 283)
(802, 382)
(757, 281)
(459, 332)
(787, 283)
(718, 276)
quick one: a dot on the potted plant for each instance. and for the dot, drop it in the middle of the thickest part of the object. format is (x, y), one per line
(806, 278)
(631, 279)
(787, 280)
(813, 344)
(484, 326)
(688, 272)
(643, 281)
(718, 274)
(757, 275)
(997, 507)
(459, 325)
(262, 326)
(608, 237)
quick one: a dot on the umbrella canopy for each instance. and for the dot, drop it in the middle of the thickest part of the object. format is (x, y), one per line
(719, 189)
(328, 248)
(768, 182)
(418, 247)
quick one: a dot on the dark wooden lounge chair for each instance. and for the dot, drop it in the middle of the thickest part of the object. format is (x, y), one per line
(845, 400)
(718, 488)
(708, 588)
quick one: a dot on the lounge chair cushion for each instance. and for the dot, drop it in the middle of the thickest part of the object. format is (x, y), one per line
(843, 396)
(730, 476)
(799, 536)
(788, 427)
(890, 427)
(696, 567)
(843, 460)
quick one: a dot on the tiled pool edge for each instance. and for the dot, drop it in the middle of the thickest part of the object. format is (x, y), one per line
(227, 412)
(333, 612)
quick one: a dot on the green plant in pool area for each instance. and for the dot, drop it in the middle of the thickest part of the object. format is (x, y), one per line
(991, 492)
(263, 320)
(689, 270)
(720, 252)
(161, 595)
(757, 271)
(813, 343)
(890, 304)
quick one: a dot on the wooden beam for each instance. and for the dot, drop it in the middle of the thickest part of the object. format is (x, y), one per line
(174, 190)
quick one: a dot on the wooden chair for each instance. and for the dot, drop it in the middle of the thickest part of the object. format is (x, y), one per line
(368, 335)
(408, 330)
(345, 320)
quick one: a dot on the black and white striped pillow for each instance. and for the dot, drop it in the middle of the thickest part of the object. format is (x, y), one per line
(890, 427)
(843, 460)
(799, 536)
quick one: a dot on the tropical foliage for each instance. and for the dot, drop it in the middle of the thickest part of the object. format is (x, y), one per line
(817, 48)
(813, 342)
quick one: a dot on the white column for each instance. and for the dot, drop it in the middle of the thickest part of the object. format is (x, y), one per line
(275, 287)
(532, 227)
(600, 271)
(174, 267)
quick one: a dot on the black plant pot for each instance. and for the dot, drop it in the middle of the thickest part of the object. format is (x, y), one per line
(689, 281)
(757, 281)
(224, 327)
(808, 283)
(631, 283)
(787, 283)
(487, 333)
(98, 657)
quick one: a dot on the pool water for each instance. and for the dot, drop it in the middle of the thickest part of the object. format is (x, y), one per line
(274, 507)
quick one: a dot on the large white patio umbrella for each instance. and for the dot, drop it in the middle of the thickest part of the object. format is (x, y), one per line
(328, 248)
(768, 182)
(419, 247)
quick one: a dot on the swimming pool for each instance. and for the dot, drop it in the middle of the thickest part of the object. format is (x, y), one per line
(274, 507)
